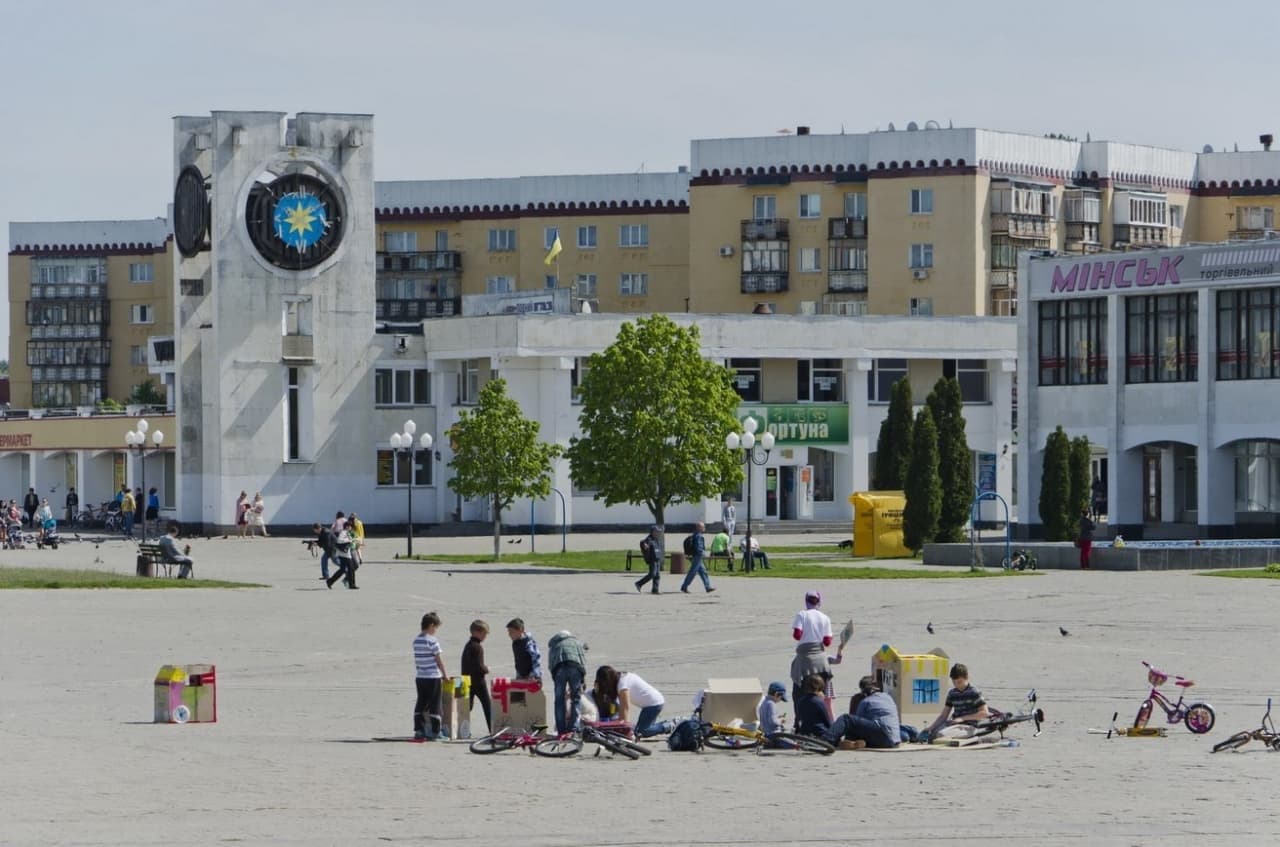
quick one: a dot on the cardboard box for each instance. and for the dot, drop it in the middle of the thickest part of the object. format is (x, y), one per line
(727, 699)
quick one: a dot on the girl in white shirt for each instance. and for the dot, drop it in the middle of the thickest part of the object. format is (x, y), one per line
(635, 699)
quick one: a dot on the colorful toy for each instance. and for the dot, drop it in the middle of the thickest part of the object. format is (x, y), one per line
(917, 682)
(1198, 717)
(186, 694)
(518, 703)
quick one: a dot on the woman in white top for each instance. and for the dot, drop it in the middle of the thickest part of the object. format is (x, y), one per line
(632, 695)
(812, 629)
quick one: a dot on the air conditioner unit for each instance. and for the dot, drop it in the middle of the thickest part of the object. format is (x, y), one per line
(919, 273)
(402, 345)
(726, 250)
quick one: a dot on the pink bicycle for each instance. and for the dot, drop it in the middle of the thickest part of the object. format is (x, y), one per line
(1198, 717)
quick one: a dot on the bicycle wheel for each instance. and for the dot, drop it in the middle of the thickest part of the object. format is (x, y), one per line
(804, 743)
(1144, 715)
(1200, 718)
(493, 743)
(721, 740)
(613, 744)
(1234, 742)
(556, 747)
(628, 744)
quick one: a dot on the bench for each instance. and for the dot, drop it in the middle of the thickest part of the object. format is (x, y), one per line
(726, 557)
(151, 559)
(635, 554)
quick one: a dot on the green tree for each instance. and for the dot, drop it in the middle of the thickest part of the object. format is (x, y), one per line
(655, 414)
(893, 447)
(496, 454)
(955, 462)
(1055, 487)
(1081, 476)
(147, 393)
(923, 486)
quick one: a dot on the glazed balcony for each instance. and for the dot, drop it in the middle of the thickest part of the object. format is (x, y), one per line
(766, 229)
(412, 310)
(764, 282)
(847, 281)
(433, 260)
(840, 228)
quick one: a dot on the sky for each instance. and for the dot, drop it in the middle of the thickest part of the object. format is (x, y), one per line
(498, 88)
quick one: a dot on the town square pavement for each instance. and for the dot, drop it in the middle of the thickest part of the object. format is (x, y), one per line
(307, 676)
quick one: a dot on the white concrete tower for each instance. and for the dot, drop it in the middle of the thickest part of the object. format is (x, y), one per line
(273, 219)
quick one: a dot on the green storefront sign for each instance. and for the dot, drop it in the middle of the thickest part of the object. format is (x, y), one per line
(801, 424)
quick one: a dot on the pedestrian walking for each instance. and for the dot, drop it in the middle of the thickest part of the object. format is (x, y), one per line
(651, 548)
(698, 566)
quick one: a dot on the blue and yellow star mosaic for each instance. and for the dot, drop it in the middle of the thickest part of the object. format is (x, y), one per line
(300, 220)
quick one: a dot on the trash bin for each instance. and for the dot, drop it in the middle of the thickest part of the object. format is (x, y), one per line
(145, 566)
(677, 563)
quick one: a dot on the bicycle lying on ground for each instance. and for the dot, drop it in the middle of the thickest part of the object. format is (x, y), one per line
(1266, 733)
(1198, 717)
(1019, 560)
(722, 737)
(610, 736)
(509, 738)
(997, 722)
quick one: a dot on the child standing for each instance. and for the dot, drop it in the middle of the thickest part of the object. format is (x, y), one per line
(525, 651)
(473, 666)
(431, 672)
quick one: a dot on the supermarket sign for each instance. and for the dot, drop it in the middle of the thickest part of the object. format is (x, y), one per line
(1155, 271)
(800, 424)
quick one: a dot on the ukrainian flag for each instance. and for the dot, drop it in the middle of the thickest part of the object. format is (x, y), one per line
(553, 252)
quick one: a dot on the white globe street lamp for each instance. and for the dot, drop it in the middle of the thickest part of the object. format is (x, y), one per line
(754, 452)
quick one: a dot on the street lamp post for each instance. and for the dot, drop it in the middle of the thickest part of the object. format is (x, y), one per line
(403, 445)
(754, 452)
(136, 439)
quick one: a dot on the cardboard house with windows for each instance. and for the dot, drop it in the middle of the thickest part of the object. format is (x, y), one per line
(917, 682)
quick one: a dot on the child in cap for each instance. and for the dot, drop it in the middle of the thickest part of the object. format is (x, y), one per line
(770, 718)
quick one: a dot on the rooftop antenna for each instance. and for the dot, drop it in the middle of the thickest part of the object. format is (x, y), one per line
(891, 126)
(950, 124)
(1088, 138)
(1208, 148)
(1235, 148)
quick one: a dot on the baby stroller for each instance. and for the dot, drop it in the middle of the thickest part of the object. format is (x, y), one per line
(50, 537)
(13, 535)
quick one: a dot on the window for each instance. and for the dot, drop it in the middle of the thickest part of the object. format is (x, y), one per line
(765, 256)
(1255, 217)
(633, 235)
(1160, 338)
(1082, 206)
(141, 272)
(502, 240)
(1073, 342)
(820, 380)
(971, 374)
(549, 236)
(401, 242)
(551, 281)
(138, 354)
(925, 692)
(469, 382)
(579, 372)
(855, 205)
(810, 205)
(746, 378)
(922, 201)
(292, 412)
(1258, 476)
(633, 285)
(1248, 320)
(587, 237)
(884, 373)
(1176, 216)
(920, 307)
(393, 467)
(586, 285)
(921, 256)
(1147, 209)
(499, 285)
(142, 313)
(297, 316)
(442, 239)
(824, 474)
(401, 387)
(764, 207)
(848, 258)
(91, 271)
(810, 259)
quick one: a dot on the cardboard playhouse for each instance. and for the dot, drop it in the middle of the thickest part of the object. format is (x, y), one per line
(877, 524)
(455, 707)
(917, 682)
(727, 700)
(186, 694)
(518, 703)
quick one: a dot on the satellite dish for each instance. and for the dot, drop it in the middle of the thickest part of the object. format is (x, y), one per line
(912, 127)
(891, 126)
(1208, 148)
(932, 125)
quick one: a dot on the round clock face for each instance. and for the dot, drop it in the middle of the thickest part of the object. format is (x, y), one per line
(294, 218)
(190, 212)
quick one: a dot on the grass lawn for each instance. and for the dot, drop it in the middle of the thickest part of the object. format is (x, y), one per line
(1271, 571)
(59, 578)
(784, 567)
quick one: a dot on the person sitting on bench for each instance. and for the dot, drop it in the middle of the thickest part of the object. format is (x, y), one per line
(169, 546)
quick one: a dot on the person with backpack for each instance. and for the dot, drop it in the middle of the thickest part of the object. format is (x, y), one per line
(651, 548)
(695, 547)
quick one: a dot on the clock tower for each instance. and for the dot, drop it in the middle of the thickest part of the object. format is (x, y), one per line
(273, 221)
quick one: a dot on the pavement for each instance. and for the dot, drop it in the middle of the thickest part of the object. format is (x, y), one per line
(307, 676)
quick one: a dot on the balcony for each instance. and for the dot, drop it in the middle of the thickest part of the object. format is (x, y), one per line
(434, 260)
(1021, 226)
(1140, 235)
(850, 305)
(846, 281)
(766, 229)
(764, 282)
(838, 228)
(71, 310)
(298, 348)
(1250, 234)
(1003, 278)
(1004, 303)
(412, 310)
(1083, 236)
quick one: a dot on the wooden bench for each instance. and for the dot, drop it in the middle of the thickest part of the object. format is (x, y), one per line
(154, 554)
(726, 557)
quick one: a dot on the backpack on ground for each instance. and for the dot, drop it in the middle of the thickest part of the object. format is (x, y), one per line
(687, 737)
(689, 548)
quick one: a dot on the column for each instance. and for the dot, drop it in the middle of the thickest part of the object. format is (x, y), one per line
(1001, 375)
(857, 373)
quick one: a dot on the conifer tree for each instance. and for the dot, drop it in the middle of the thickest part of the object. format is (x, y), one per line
(1055, 487)
(893, 448)
(955, 462)
(923, 488)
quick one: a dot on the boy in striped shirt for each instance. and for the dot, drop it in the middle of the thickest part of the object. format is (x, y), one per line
(431, 673)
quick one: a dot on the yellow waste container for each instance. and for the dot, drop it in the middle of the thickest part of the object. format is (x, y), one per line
(877, 524)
